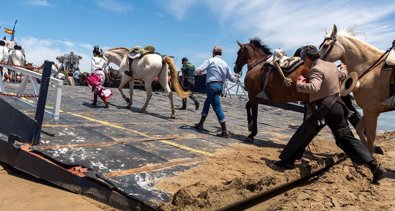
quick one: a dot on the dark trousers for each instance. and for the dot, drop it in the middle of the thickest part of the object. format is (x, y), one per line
(335, 119)
(188, 85)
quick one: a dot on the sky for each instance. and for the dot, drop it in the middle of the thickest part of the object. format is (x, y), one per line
(187, 28)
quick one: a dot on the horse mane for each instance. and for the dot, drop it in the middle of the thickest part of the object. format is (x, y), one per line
(350, 34)
(119, 48)
(257, 42)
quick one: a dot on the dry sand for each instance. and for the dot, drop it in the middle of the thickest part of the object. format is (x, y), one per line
(19, 191)
(244, 171)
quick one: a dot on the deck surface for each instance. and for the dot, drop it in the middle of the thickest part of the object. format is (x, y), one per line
(131, 150)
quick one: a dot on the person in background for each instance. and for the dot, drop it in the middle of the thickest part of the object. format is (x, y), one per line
(323, 89)
(76, 75)
(188, 82)
(217, 71)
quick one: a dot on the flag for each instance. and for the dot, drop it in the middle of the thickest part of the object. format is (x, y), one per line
(8, 31)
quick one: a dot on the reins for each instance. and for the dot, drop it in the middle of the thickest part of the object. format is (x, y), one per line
(378, 61)
(259, 62)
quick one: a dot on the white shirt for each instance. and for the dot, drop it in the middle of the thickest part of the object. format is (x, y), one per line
(98, 63)
(217, 70)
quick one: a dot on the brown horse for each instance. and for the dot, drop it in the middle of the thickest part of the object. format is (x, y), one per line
(367, 62)
(255, 54)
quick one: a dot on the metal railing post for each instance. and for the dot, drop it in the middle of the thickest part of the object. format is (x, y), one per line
(42, 99)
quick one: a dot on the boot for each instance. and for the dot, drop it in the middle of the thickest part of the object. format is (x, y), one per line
(94, 103)
(224, 133)
(196, 105)
(199, 125)
(195, 101)
(284, 165)
(184, 104)
(377, 170)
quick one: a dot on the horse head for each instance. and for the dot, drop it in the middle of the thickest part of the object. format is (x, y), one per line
(251, 53)
(331, 49)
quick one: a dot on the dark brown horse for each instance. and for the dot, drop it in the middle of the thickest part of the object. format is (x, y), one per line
(255, 55)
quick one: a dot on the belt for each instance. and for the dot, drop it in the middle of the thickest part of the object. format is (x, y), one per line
(211, 82)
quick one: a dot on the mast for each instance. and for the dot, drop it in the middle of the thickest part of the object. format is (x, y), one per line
(13, 31)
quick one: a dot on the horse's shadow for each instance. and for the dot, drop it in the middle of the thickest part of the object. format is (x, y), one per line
(239, 137)
(390, 174)
(89, 105)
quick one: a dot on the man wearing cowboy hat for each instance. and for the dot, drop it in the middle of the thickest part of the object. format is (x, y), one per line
(323, 90)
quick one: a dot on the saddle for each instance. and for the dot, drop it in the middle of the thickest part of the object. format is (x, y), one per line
(138, 52)
(287, 64)
(391, 56)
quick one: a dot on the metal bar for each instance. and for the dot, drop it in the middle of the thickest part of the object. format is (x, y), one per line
(29, 72)
(58, 99)
(23, 85)
(32, 76)
(42, 99)
(26, 160)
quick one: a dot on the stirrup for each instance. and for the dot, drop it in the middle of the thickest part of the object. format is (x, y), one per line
(262, 95)
(389, 102)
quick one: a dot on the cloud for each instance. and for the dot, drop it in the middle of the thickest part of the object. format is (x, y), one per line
(179, 8)
(289, 24)
(43, 3)
(39, 50)
(114, 5)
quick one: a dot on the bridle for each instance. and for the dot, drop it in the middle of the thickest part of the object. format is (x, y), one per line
(255, 64)
(330, 47)
(379, 60)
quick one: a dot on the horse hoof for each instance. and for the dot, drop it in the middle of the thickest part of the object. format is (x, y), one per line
(378, 150)
(173, 116)
(249, 140)
(250, 128)
(127, 100)
(129, 106)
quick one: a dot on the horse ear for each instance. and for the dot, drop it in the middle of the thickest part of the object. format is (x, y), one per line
(334, 31)
(238, 43)
(326, 32)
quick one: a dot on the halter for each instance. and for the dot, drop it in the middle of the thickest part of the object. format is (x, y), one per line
(378, 61)
(256, 64)
(330, 47)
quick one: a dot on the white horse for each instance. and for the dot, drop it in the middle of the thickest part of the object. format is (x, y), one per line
(360, 58)
(147, 68)
(17, 57)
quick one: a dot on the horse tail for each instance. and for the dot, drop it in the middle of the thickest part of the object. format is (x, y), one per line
(174, 78)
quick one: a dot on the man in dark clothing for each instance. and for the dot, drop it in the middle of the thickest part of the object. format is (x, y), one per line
(323, 90)
(188, 82)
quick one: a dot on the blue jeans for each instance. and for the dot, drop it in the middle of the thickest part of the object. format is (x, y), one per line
(214, 90)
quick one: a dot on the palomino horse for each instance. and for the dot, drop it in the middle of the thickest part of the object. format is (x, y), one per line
(147, 68)
(365, 60)
(255, 54)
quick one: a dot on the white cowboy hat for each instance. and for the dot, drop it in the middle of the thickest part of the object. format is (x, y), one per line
(350, 84)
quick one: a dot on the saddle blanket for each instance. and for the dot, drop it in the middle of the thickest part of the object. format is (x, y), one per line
(391, 58)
